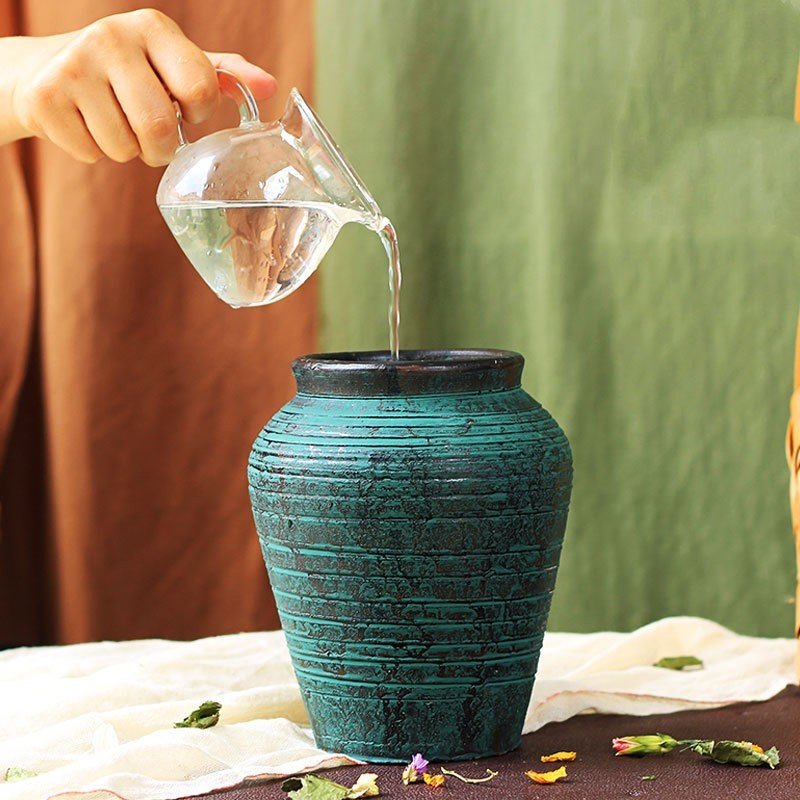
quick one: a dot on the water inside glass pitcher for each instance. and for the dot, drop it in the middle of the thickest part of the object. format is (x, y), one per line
(255, 208)
(252, 254)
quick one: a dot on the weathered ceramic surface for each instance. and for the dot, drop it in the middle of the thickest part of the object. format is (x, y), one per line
(411, 519)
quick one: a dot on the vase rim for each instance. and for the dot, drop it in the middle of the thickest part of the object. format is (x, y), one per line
(415, 372)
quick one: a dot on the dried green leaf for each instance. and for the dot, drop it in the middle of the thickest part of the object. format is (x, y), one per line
(489, 775)
(725, 751)
(18, 774)
(648, 777)
(206, 715)
(312, 787)
(679, 662)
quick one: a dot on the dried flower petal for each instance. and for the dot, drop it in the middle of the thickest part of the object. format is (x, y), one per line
(434, 781)
(548, 777)
(561, 755)
(414, 771)
(410, 775)
(419, 763)
(489, 775)
(365, 786)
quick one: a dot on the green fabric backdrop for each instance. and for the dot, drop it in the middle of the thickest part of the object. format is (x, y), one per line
(613, 189)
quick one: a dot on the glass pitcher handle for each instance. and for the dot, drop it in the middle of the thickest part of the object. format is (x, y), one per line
(233, 87)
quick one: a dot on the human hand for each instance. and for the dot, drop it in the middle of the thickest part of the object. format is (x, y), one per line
(107, 89)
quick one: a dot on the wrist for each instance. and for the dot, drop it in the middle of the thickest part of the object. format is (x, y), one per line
(20, 58)
(12, 57)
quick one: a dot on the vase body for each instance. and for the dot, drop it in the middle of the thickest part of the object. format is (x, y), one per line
(411, 516)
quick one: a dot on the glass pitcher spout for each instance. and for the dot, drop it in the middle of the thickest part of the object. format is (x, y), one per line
(335, 175)
(255, 208)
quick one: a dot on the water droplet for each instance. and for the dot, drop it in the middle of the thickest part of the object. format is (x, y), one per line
(220, 282)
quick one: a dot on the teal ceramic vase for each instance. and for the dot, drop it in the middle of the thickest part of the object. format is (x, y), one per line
(411, 514)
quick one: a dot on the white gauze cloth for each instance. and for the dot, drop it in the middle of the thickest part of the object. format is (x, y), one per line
(98, 717)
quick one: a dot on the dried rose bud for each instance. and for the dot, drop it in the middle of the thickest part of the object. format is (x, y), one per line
(651, 744)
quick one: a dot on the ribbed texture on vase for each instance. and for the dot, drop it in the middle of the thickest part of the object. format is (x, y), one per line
(412, 544)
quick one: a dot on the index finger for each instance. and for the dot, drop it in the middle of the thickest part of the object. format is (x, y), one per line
(183, 68)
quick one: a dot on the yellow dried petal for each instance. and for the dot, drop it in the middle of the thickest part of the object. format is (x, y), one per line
(434, 781)
(561, 755)
(548, 777)
(410, 775)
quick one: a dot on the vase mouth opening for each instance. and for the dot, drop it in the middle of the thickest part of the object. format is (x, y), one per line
(378, 359)
(414, 372)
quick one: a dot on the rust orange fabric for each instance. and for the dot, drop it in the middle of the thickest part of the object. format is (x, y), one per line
(797, 96)
(793, 442)
(793, 458)
(130, 395)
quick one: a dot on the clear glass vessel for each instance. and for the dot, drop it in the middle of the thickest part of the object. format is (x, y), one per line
(255, 208)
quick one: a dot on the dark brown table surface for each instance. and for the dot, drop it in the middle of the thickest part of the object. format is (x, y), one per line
(598, 775)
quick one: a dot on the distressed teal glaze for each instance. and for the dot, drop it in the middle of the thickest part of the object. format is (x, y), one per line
(412, 542)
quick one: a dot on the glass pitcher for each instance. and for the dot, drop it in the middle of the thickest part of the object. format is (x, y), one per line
(255, 208)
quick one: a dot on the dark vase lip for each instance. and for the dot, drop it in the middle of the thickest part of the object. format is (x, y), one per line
(415, 372)
(455, 360)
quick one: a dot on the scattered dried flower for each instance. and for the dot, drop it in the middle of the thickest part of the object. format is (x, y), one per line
(415, 769)
(643, 745)
(561, 755)
(434, 781)
(723, 752)
(547, 777)
(489, 775)
(420, 763)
